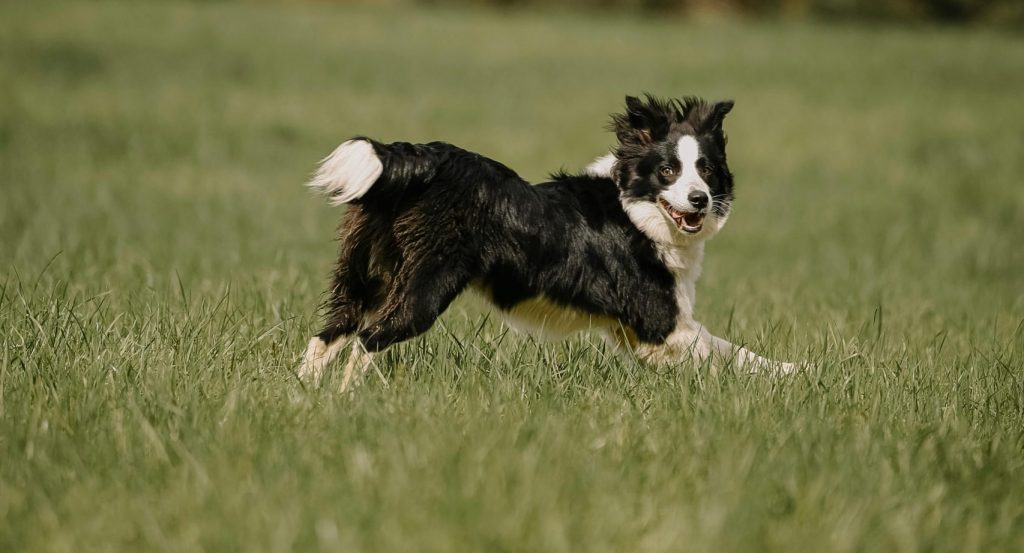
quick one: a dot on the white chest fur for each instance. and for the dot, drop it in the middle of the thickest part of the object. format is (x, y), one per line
(685, 264)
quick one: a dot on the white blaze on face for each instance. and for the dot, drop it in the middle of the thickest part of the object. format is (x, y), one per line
(688, 152)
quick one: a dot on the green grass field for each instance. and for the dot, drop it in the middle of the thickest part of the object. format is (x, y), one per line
(160, 264)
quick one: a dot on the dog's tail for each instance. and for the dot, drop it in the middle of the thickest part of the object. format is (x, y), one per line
(361, 167)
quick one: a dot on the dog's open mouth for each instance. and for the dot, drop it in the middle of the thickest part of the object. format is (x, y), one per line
(690, 222)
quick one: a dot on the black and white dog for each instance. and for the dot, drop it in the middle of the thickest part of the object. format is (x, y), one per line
(616, 249)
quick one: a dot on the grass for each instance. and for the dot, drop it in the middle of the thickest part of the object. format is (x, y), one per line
(160, 264)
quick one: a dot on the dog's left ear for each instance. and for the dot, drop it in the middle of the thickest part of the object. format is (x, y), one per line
(646, 120)
(716, 114)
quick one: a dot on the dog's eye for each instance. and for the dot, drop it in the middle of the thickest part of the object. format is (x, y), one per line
(704, 167)
(667, 171)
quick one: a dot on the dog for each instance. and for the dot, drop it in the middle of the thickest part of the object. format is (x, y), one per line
(616, 248)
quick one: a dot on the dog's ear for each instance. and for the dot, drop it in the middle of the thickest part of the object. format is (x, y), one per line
(645, 121)
(716, 114)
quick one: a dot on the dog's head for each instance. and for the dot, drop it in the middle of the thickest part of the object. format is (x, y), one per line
(670, 167)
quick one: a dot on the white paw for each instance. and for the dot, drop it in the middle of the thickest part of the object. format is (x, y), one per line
(792, 368)
(312, 367)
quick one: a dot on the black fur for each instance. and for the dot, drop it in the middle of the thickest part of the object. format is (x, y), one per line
(440, 218)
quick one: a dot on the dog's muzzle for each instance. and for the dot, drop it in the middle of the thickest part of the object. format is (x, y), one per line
(688, 221)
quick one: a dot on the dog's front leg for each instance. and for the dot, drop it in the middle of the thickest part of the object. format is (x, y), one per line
(746, 359)
(701, 346)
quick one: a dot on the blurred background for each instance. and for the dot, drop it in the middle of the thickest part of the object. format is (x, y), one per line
(1000, 12)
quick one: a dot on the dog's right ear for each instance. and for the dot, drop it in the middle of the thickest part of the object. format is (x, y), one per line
(644, 121)
(717, 113)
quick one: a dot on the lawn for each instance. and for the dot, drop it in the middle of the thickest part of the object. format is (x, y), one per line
(161, 263)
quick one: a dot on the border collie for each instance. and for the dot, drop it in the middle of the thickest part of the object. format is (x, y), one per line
(616, 249)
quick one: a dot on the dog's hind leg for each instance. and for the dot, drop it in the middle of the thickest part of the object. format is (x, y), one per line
(319, 353)
(423, 288)
(347, 301)
(358, 362)
(342, 321)
(413, 304)
(343, 315)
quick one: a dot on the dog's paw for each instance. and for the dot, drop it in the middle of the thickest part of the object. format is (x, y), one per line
(312, 366)
(799, 367)
(782, 368)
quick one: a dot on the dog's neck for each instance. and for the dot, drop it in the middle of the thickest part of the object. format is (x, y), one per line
(683, 259)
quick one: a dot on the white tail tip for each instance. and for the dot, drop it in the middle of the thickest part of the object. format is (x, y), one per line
(348, 173)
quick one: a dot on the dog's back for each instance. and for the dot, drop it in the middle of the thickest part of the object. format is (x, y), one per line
(363, 171)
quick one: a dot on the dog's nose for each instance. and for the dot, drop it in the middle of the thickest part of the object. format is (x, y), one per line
(698, 199)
